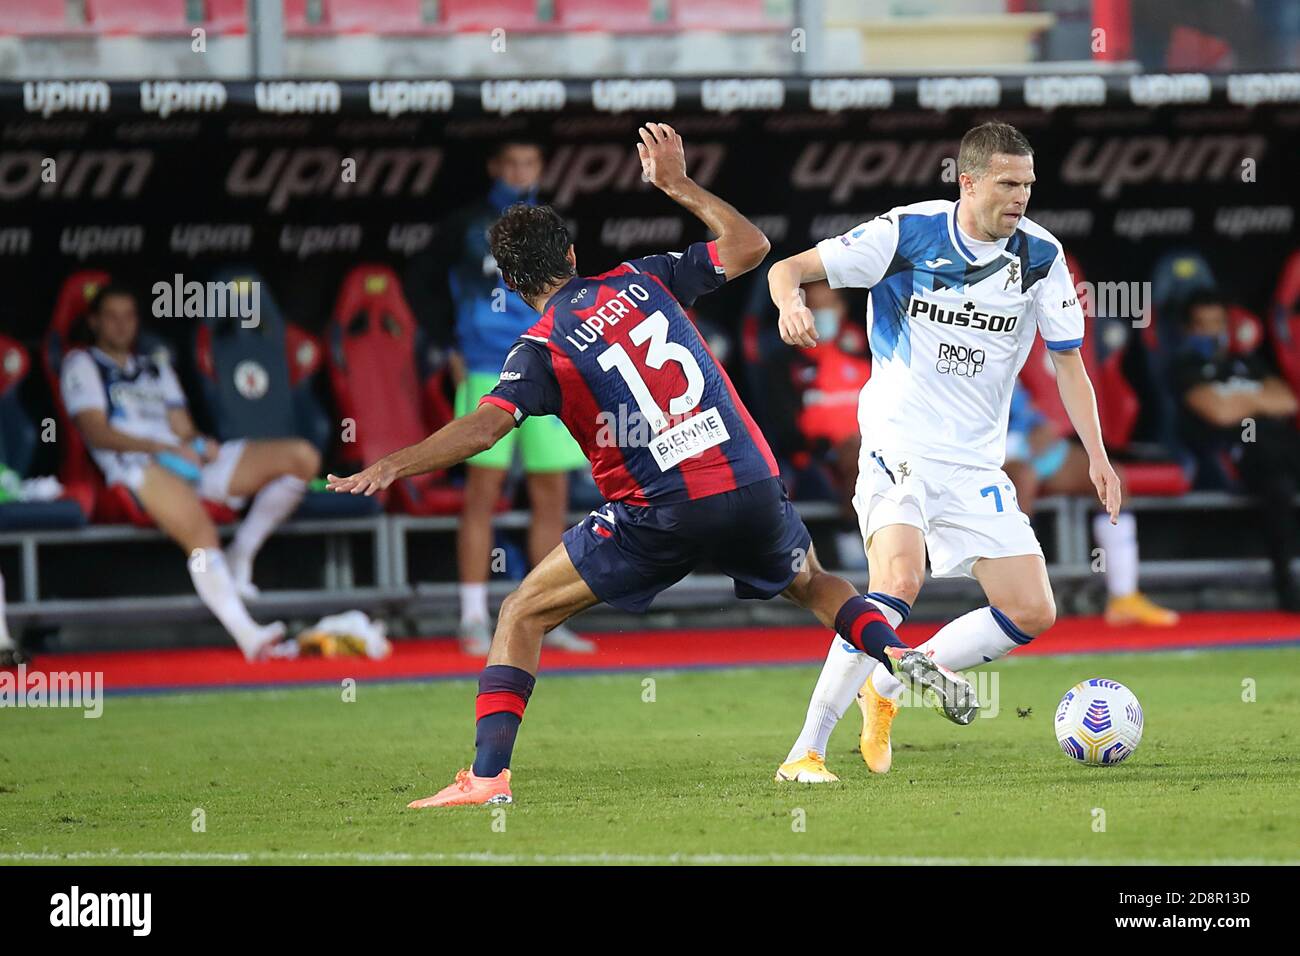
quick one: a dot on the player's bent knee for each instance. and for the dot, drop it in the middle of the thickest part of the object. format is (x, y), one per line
(1033, 616)
(306, 459)
(902, 583)
(519, 611)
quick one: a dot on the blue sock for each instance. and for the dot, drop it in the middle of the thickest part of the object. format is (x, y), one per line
(503, 693)
(861, 624)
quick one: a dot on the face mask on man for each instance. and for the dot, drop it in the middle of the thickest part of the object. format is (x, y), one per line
(1207, 346)
(503, 195)
(827, 323)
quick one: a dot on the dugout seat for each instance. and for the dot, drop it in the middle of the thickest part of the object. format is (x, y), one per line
(1105, 339)
(255, 382)
(374, 364)
(1177, 276)
(81, 478)
(17, 444)
(1245, 331)
(1284, 322)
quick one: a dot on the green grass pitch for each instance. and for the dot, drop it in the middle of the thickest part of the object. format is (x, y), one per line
(602, 775)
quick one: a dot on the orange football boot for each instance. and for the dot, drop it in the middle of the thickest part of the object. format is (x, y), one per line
(469, 789)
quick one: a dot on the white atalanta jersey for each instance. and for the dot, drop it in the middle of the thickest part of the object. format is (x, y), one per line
(950, 323)
(136, 398)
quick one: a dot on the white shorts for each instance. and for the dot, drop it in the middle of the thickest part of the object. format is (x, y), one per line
(966, 513)
(128, 468)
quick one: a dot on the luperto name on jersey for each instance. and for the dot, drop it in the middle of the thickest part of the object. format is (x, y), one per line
(618, 360)
(607, 315)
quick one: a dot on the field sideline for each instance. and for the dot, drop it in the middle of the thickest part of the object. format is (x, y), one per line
(603, 776)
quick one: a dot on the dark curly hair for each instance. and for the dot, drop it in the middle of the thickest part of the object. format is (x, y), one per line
(531, 245)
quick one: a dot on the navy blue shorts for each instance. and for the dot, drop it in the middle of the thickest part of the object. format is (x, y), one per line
(628, 554)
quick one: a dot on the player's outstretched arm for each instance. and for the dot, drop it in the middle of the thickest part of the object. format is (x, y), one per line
(784, 283)
(1081, 405)
(741, 244)
(450, 445)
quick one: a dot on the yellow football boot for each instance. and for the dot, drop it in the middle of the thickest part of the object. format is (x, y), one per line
(878, 713)
(810, 768)
(1137, 608)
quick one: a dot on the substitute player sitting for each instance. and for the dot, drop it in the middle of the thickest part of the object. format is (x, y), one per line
(688, 476)
(132, 414)
(1041, 462)
(958, 292)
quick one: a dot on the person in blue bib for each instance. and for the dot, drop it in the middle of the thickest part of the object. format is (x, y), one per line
(487, 319)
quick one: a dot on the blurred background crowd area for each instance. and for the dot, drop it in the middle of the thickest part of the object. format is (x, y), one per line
(209, 142)
(398, 38)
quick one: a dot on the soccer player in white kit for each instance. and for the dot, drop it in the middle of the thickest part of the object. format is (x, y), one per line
(133, 416)
(958, 292)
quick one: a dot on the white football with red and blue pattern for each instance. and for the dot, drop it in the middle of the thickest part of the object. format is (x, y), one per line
(1099, 721)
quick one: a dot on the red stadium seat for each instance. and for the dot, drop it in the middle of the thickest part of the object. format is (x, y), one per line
(1284, 321)
(77, 472)
(81, 479)
(1191, 49)
(17, 444)
(39, 18)
(1245, 330)
(165, 16)
(1117, 403)
(632, 16)
(1160, 478)
(228, 16)
(727, 15)
(363, 16)
(14, 363)
(372, 362)
(613, 16)
(305, 353)
(468, 16)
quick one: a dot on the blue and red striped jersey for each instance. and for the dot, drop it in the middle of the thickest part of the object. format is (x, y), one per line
(617, 359)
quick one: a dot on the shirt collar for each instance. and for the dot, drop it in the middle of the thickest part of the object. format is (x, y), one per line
(957, 240)
(129, 368)
(550, 303)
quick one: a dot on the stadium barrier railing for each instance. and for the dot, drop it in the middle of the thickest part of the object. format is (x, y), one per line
(391, 539)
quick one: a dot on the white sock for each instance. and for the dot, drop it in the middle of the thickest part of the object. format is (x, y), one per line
(276, 500)
(6, 642)
(842, 674)
(473, 603)
(975, 638)
(216, 588)
(841, 678)
(1119, 545)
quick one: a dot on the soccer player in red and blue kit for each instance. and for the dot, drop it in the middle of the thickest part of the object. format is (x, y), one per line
(687, 475)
